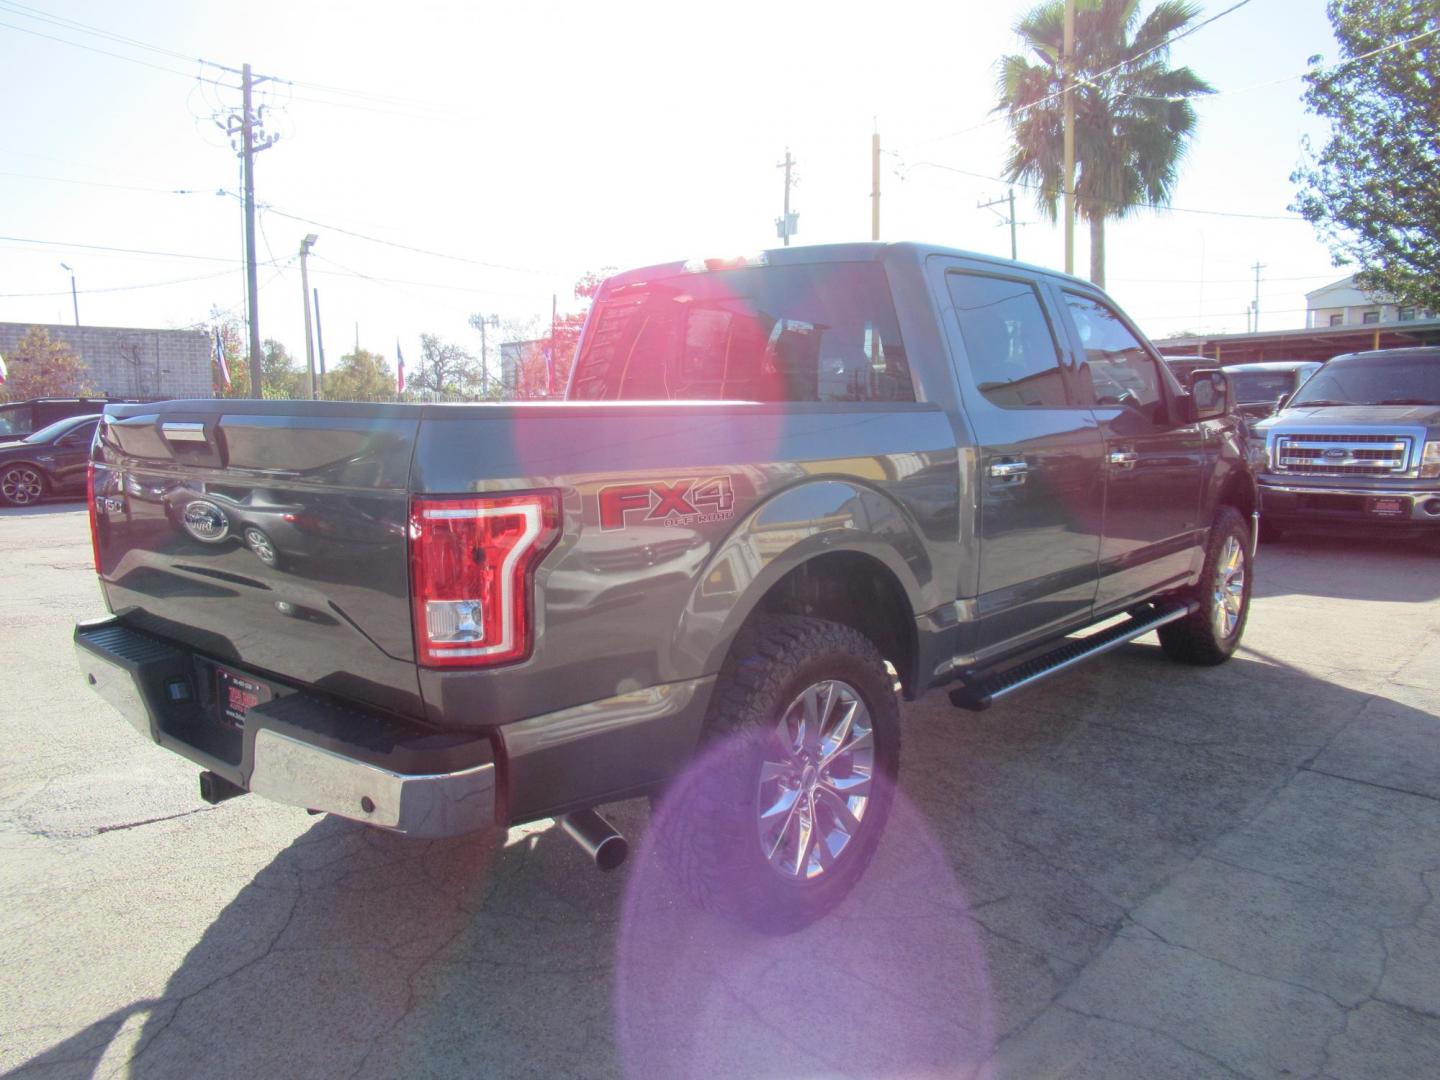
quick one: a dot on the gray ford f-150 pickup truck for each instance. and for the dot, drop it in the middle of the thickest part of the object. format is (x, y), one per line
(1357, 448)
(779, 489)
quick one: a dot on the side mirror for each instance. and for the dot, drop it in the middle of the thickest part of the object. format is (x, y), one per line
(1210, 393)
(1283, 401)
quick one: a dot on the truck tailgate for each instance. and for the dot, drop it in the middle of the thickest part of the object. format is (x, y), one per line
(268, 535)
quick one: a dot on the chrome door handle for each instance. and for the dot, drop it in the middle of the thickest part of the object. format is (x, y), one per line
(1124, 459)
(1008, 470)
(177, 432)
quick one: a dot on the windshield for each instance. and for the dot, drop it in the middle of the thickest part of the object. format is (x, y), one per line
(1372, 380)
(1257, 386)
(60, 427)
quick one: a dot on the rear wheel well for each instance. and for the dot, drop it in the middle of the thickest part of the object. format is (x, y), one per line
(857, 591)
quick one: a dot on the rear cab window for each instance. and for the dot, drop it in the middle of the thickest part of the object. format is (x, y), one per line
(809, 332)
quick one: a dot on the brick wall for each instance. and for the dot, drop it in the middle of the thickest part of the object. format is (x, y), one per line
(127, 362)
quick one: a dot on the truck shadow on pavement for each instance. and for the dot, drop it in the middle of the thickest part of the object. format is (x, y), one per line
(1348, 568)
(1023, 843)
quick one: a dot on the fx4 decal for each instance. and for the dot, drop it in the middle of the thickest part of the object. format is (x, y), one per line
(684, 502)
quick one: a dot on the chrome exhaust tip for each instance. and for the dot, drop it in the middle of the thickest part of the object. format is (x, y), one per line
(597, 836)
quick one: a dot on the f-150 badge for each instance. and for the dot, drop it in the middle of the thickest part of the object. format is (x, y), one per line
(681, 502)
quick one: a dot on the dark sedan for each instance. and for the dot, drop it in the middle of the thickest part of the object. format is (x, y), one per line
(51, 461)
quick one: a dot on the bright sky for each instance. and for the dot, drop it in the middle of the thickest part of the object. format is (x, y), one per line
(538, 140)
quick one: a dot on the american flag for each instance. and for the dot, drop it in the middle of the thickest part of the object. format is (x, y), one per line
(399, 368)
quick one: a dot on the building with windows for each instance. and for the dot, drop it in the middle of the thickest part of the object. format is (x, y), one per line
(1341, 304)
(1339, 318)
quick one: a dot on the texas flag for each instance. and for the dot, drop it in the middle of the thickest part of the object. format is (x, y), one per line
(3, 373)
(219, 353)
(399, 368)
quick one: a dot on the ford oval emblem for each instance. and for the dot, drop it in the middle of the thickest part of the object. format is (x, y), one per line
(1336, 454)
(206, 521)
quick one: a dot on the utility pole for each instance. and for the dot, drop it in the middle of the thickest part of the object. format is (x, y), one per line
(1257, 268)
(550, 360)
(248, 127)
(875, 186)
(996, 202)
(1067, 63)
(305, 246)
(1014, 249)
(74, 297)
(480, 322)
(319, 345)
(785, 224)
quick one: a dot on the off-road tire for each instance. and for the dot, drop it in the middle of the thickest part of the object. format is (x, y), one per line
(707, 819)
(1196, 639)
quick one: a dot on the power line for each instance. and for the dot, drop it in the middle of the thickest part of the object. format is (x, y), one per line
(345, 271)
(1098, 75)
(94, 49)
(406, 247)
(404, 106)
(1214, 281)
(1299, 74)
(126, 288)
(1145, 205)
(25, 11)
(103, 184)
(122, 250)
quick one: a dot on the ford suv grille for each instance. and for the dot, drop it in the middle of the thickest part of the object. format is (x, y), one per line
(1330, 454)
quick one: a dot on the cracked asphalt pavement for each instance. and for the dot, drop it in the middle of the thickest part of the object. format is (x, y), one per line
(1133, 870)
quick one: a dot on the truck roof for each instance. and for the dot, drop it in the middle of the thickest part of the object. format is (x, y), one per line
(865, 251)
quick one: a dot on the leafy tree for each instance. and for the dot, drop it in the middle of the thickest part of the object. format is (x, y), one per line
(1373, 192)
(361, 376)
(42, 367)
(283, 377)
(544, 367)
(444, 369)
(1133, 118)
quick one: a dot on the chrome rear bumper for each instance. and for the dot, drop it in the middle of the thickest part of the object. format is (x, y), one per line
(278, 755)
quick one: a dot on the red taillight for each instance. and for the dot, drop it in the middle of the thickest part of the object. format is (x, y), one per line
(94, 522)
(471, 565)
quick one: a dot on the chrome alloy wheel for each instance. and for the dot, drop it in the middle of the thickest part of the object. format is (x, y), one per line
(1229, 588)
(22, 485)
(260, 544)
(815, 780)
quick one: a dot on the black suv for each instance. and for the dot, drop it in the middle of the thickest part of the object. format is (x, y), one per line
(21, 418)
(51, 461)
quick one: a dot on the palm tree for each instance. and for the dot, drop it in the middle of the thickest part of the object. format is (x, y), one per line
(1133, 118)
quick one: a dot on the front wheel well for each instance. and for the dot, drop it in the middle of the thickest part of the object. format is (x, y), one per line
(1239, 492)
(858, 591)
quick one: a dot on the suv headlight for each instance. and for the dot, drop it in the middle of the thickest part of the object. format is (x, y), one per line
(1255, 451)
(1430, 460)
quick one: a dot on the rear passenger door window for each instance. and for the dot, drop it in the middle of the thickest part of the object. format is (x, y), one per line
(1010, 346)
